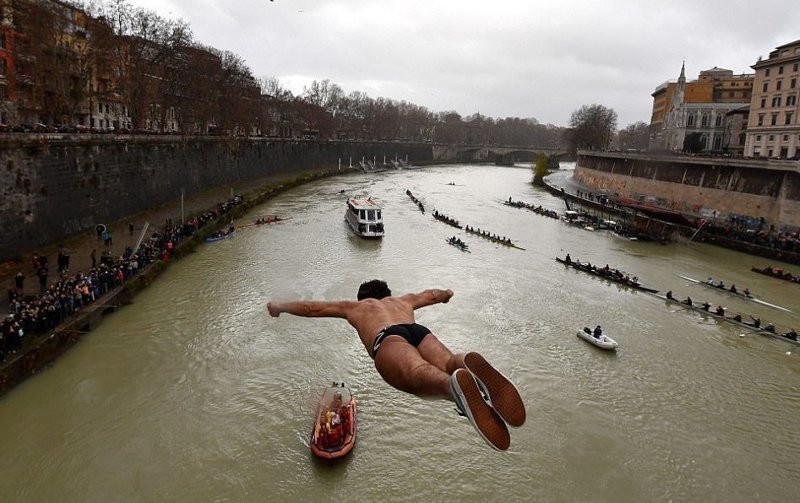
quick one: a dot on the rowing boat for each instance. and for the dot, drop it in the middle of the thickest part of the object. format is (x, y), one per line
(729, 319)
(603, 341)
(494, 240)
(777, 273)
(739, 294)
(463, 246)
(585, 268)
(214, 238)
(449, 221)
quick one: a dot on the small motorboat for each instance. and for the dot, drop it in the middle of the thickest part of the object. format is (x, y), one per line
(334, 432)
(603, 341)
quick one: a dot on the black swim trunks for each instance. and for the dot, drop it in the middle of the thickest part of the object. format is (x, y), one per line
(411, 332)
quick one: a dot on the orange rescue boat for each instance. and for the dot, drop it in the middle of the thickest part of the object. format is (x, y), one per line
(334, 433)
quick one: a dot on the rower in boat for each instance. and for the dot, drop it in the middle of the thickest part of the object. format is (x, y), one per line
(598, 332)
(720, 311)
(669, 295)
(791, 334)
(688, 301)
(568, 259)
(756, 321)
(737, 317)
(706, 306)
(733, 289)
(770, 328)
(720, 285)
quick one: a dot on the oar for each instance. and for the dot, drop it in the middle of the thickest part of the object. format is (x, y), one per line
(751, 332)
(689, 279)
(770, 305)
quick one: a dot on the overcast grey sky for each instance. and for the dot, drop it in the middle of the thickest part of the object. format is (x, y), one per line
(502, 58)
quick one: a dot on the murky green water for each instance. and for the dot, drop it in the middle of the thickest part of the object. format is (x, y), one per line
(194, 394)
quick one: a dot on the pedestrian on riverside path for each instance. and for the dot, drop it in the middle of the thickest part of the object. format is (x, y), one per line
(130, 228)
(19, 281)
(42, 272)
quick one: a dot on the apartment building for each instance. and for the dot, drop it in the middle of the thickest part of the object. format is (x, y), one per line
(700, 107)
(773, 128)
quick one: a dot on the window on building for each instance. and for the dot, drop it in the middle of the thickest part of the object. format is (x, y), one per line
(763, 102)
(766, 87)
(760, 119)
(758, 137)
(780, 70)
(774, 120)
(718, 143)
(3, 92)
(771, 137)
(788, 118)
(766, 72)
(99, 108)
(776, 101)
(786, 137)
(704, 120)
(794, 67)
(690, 120)
(791, 100)
(793, 84)
(778, 85)
(719, 120)
(3, 64)
(731, 94)
(3, 41)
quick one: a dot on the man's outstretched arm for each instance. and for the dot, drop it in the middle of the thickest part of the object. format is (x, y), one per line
(428, 297)
(312, 308)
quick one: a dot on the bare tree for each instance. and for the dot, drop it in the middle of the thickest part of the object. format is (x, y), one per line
(591, 127)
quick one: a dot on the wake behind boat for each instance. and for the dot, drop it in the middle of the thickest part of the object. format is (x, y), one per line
(365, 217)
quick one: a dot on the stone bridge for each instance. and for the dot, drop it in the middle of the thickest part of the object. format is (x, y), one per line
(499, 154)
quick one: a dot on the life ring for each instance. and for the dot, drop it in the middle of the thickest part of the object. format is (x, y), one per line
(100, 228)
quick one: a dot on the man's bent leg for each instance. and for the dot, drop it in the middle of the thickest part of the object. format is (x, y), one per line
(402, 367)
(437, 354)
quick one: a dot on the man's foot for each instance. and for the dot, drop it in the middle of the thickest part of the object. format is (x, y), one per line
(502, 393)
(483, 417)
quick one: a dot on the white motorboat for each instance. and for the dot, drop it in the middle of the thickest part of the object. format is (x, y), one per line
(365, 217)
(603, 341)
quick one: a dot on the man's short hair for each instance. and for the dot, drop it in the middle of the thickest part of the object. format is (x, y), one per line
(374, 289)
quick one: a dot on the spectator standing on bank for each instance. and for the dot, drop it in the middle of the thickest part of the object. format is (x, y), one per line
(130, 228)
(93, 256)
(19, 281)
(42, 272)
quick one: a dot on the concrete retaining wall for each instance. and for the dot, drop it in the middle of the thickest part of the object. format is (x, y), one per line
(696, 186)
(54, 186)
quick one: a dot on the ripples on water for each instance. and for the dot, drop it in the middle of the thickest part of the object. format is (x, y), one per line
(194, 393)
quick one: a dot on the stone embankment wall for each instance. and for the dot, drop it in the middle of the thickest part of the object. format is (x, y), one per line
(705, 187)
(56, 186)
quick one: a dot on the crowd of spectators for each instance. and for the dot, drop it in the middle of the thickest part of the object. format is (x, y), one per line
(755, 232)
(30, 316)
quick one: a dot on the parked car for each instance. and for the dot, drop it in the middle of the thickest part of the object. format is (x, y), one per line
(82, 128)
(21, 128)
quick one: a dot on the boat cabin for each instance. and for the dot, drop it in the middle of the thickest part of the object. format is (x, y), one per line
(365, 217)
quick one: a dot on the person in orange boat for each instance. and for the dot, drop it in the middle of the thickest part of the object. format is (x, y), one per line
(411, 359)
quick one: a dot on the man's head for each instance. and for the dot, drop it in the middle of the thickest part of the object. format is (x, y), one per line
(374, 289)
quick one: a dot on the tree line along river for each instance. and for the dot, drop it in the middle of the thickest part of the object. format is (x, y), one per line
(194, 393)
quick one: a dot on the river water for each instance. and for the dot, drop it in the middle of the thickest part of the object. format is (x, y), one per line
(194, 393)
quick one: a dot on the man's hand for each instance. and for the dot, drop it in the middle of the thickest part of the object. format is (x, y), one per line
(274, 309)
(447, 295)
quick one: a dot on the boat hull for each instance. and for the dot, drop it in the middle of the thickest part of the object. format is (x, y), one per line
(602, 342)
(333, 435)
